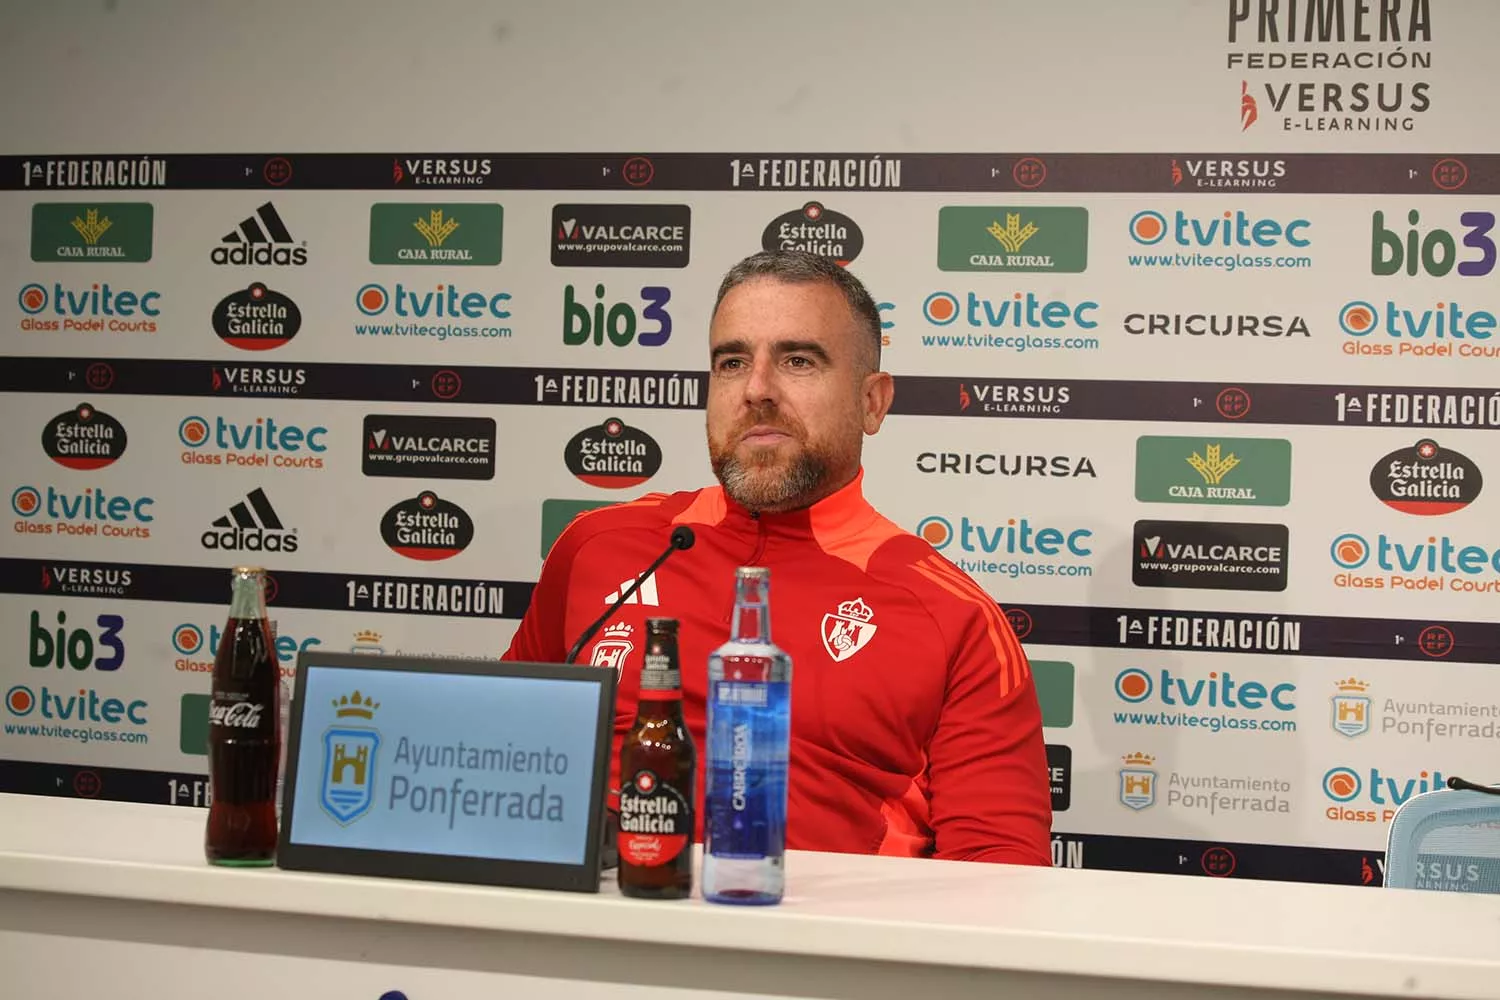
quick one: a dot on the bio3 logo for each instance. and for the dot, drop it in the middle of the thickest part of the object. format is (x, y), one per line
(618, 321)
(1434, 252)
(79, 648)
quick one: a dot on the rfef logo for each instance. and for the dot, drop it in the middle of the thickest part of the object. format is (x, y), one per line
(1434, 253)
(1426, 480)
(420, 447)
(427, 527)
(816, 230)
(618, 321)
(256, 318)
(1013, 238)
(1350, 788)
(612, 455)
(252, 525)
(77, 648)
(259, 443)
(433, 233)
(84, 438)
(1227, 471)
(1210, 555)
(261, 240)
(91, 232)
(89, 513)
(621, 235)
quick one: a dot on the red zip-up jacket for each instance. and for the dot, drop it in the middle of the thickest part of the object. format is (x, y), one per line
(915, 724)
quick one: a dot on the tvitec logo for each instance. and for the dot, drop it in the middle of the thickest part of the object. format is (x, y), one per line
(1230, 229)
(1434, 564)
(1205, 703)
(196, 648)
(1434, 253)
(445, 302)
(100, 648)
(617, 321)
(258, 443)
(1026, 549)
(1349, 789)
(99, 308)
(91, 513)
(1442, 331)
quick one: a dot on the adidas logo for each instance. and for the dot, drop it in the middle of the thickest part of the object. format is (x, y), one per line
(262, 239)
(646, 596)
(252, 525)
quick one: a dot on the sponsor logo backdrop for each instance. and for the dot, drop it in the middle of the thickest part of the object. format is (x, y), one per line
(1216, 430)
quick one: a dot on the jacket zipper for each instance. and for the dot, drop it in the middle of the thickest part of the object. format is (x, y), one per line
(754, 558)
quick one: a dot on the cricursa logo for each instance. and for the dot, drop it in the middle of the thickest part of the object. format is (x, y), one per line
(458, 233)
(612, 455)
(427, 528)
(84, 438)
(1446, 330)
(1021, 547)
(1210, 555)
(989, 464)
(1240, 234)
(1354, 792)
(1434, 563)
(445, 302)
(1426, 480)
(1269, 327)
(1215, 703)
(259, 443)
(261, 239)
(256, 318)
(1021, 311)
(1434, 253)
(816, 230)
(418, 447)
(1013, 238)
(99, 308)
(90, 513)
(91, 232)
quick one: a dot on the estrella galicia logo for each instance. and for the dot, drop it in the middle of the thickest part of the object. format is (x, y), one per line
(83, 438)
(612, 455)
(256, 318)
(817, 230)
(349, 759)
(426, 527)
(1426, 480)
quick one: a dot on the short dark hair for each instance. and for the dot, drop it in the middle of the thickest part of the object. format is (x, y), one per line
(799, 266)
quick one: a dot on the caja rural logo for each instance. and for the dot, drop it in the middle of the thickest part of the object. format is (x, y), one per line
(427, 527)
(84, 438)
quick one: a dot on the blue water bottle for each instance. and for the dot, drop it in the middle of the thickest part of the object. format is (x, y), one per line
(749, 737)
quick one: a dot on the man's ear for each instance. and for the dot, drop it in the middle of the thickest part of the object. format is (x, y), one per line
(876, 394)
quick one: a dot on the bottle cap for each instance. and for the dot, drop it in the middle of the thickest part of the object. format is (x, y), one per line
(661, 624)
(248, 570)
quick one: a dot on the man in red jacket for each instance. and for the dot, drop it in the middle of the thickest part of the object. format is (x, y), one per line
(915, 724)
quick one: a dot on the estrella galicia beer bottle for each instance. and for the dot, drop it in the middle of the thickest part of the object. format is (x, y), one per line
(244, 746)
(658, 764)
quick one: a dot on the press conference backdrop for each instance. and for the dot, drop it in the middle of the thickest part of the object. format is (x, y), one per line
(1193, 333)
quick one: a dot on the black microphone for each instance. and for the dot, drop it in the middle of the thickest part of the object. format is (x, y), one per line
(682, 538)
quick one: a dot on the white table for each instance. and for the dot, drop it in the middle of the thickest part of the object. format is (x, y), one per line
(105, 899)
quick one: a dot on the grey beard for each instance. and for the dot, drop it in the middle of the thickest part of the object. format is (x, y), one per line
(760, 492)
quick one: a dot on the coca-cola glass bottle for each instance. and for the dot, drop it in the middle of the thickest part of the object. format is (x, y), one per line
(244, 745)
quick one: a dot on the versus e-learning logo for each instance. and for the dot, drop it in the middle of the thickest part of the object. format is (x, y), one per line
(98, 308)
(1431, 564)
(1021, 548)
(1215, 703)
(1389, 329)
(1206, 238)
(259, 443)
(455, 310)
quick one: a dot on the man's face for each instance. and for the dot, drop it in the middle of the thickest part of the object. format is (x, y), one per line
(788, 400)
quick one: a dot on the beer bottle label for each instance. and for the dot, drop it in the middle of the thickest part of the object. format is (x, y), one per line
(660, 678)
(656, 821)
